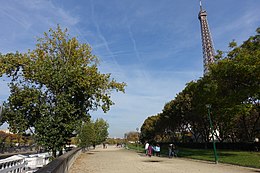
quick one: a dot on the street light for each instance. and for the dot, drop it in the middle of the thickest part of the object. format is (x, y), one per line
(212, 132)
(137, 129)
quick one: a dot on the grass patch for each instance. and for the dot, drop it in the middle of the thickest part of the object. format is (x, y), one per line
(136, 147)
(241, 158)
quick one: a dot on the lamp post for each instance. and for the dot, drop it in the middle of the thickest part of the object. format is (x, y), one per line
(137, 129)
(212, 133)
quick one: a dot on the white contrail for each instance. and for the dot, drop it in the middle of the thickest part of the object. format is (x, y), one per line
(18, 20)
(100, 35)
(136, 50)
(134, 42)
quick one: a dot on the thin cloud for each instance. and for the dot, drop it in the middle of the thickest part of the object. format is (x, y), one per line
(136, 50)
(142, 98)
(16, 18)
(153, 46)
(23, 21)
(239, 29)
(101, 36)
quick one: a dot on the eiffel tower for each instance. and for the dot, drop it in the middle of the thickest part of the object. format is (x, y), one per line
(207, 44)
(1, 109)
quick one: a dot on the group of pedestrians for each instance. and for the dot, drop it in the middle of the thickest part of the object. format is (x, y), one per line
(151, 150)
(156, 150)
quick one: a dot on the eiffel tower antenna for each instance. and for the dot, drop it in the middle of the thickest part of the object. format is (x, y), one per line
(207, 43)
(200, 6)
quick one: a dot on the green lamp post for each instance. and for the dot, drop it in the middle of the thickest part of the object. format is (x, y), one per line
(137, 129)
(212, 133)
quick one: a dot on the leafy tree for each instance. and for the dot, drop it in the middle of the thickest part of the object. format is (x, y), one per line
(169, 122)
(92, 133)
(115, 141)
(100, 131)
(231, 88)
(132, 136)
(54, 87)
(185, 103)
(238, 80)
(86, 134)
(148, 129)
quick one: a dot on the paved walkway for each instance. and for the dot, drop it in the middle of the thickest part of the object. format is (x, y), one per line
(116, 160)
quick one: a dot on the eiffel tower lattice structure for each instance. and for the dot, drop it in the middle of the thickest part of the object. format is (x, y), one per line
(1, 109)
(207, 43)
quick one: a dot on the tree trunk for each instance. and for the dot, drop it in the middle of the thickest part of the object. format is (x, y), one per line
(54, 153)
(60, 152)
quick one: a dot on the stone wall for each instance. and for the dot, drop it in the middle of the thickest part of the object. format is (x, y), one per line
(62, 163)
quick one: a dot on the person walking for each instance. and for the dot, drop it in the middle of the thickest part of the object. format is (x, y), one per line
(150, 150)
(170, 150)
(158, 150)
(146, 148)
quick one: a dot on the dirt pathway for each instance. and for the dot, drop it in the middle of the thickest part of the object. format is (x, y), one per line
(116, 160)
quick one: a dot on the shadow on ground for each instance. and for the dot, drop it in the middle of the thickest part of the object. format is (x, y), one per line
(152, 161)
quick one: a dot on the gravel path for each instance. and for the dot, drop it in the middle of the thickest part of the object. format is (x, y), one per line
(118, 160)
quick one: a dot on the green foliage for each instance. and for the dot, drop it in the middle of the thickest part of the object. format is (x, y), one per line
(100, 131)
(132, 136)
(86, 134)
(231, 88)
(54, 87)
(113, 141)
(148, 129)
(136, 147)
(92, 133)
(238, 80)
(232, 44)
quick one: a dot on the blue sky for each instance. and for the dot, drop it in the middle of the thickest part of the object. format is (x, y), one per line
(154, 46)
